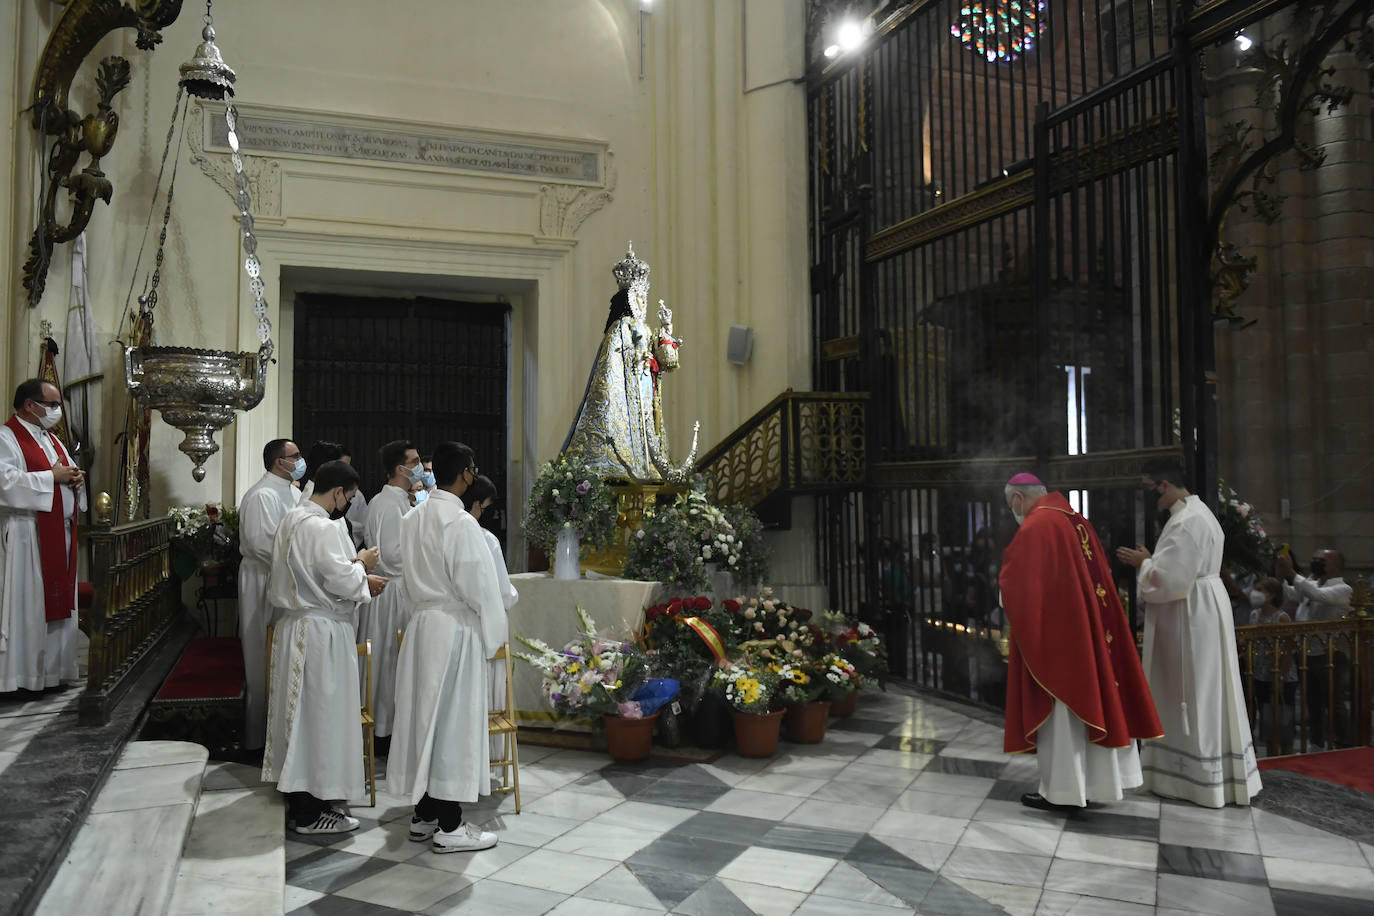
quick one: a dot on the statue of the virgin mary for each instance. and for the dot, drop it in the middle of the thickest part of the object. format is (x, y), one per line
(618, 428)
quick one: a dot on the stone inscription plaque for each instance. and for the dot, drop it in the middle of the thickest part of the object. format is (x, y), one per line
(268, 135)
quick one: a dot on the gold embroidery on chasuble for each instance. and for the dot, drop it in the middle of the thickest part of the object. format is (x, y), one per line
(1083, 541)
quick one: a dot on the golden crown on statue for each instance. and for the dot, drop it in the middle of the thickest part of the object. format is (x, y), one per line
(631, 271)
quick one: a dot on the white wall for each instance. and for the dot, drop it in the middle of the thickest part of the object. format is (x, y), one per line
(710, 185)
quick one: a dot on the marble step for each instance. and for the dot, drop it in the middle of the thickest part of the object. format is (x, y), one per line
(125, 853)
(234, 860)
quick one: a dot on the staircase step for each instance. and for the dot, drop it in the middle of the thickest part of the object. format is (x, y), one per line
(126, 851)
(235, 857)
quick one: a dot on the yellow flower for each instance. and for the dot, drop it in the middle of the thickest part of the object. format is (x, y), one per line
(572, 669)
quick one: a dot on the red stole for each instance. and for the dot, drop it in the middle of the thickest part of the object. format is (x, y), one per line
(57, 561)
(1069, 637)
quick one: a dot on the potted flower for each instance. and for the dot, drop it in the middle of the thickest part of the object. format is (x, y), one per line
(569, 506)
(597, 677)
(749, 688)
(206, 541)
(858, 646)
(686, 639)
(803, 691)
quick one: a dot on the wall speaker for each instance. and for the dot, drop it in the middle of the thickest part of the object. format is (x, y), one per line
(741, 344)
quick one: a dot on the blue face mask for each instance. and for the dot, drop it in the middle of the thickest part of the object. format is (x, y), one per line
(298, 471)
(429, 479)
(417, 474)
(420, 497)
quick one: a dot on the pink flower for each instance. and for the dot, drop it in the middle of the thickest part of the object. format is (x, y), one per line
(631, 710)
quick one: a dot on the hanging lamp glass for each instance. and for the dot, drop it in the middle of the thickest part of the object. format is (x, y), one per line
(200, 391)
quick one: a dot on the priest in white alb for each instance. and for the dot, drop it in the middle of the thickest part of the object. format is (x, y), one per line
(41, 490)
(314, 747)
(439, 746)
(260, 512)
(387, 613)
(1206, 755)
(477, 500)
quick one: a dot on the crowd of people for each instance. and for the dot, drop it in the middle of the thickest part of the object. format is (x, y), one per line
(413, 574)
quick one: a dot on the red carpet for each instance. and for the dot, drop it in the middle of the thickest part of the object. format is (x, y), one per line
(1353, 767)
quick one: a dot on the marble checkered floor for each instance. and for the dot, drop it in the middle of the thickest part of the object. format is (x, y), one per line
(909, 807)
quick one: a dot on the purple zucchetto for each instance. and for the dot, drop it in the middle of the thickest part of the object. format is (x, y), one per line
(1025, 479)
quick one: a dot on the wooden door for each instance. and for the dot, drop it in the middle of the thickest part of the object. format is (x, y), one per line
(370, 370)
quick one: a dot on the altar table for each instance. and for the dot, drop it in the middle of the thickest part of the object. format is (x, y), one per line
(547, 610)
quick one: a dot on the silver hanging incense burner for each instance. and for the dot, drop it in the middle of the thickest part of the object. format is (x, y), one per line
(199, 391)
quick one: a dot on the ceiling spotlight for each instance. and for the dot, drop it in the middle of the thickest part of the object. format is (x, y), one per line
(850, 35)
(1244, 42)
(832, 50)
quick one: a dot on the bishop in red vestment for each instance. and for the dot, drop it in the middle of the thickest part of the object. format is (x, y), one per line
(1076, 693)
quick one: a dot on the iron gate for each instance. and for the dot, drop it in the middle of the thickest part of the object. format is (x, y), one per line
(1012, 239)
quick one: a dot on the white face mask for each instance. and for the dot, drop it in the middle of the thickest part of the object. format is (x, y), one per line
(51, 417)
(1257, 598)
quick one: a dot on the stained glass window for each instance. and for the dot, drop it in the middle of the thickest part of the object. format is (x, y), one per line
(1000, 30)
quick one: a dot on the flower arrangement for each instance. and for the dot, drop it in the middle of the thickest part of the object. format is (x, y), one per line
(858, 644)
(666, 549)
(204, 536)
(800, 682)
(747, 685)
(678, 541)
(752, 568)
(1247, 547)
(840, 677)
(567, 494)
(677, 650)
(592, 676)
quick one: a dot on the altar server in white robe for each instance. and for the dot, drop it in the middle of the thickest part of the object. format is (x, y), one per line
(439, 747)
(1206, 755)
(314, 747)
(41, 490)
(355, 519)
(477, 500)
(380, 620)
(260, 513)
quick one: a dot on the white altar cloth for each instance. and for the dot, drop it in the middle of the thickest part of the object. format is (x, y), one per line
(547, 610)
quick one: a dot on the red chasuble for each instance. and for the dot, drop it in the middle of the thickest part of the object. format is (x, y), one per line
(58, 562)
(1069, 637)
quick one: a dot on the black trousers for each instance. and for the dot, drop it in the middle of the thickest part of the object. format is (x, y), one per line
(304, 808)
(449, 814)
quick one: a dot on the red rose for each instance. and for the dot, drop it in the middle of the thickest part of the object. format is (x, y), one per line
(702, 604)
(801, 614)
(732, 605)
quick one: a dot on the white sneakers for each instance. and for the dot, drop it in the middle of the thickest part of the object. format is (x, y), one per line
(329, 821)
(422, 830)
(467, 838)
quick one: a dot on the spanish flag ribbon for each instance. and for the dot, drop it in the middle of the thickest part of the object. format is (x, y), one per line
(708, 635)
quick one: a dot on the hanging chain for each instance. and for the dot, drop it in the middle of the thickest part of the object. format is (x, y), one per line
(152, 208)
(150, 298)
(251, 265)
